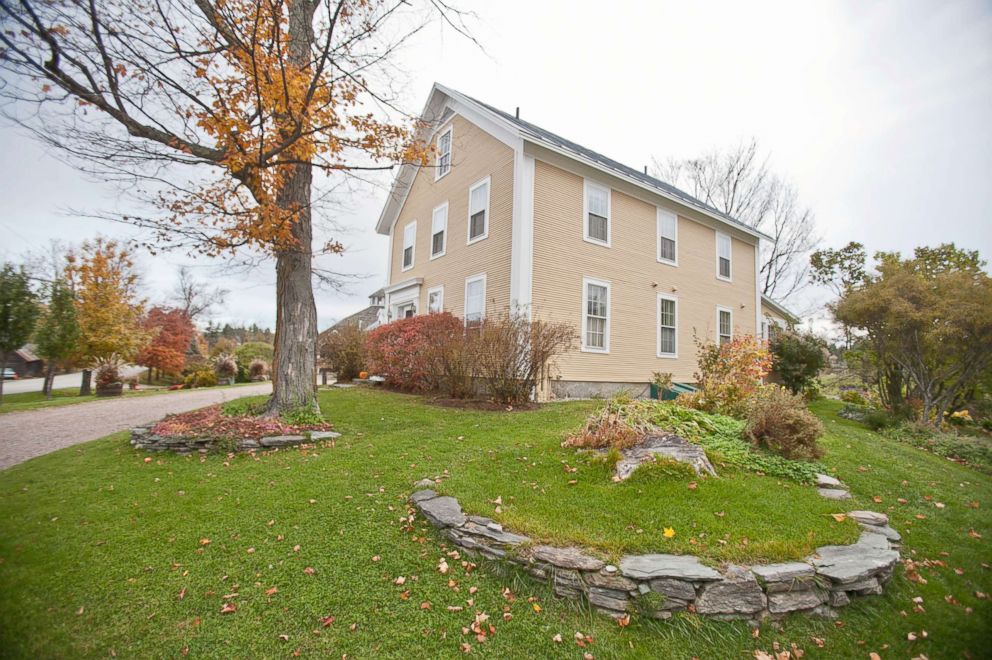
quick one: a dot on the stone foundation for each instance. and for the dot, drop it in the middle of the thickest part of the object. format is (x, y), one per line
(656, 585)
(143, 438)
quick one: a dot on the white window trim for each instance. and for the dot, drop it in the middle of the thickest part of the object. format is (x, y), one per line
(444, 248)
(675, 354)
(587, 184)
(413, 253)
(435, 289)
(489, 195)
(470, 280)
(451, 150)
(586, 281)
(719, 309)
(657, 240)
(720, 234)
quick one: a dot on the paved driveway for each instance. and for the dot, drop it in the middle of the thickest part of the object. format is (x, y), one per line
(60, 382)
(31, 433)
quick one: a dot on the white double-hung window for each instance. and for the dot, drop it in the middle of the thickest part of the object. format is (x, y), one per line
(723, 256)
(595, 316)
(409, 240)
(668, 315)
(597, 214)
(443, 165)
(439, 230)
(668, 236)
(435, 300)
(478, 211)
(724, 325)
(475, 299)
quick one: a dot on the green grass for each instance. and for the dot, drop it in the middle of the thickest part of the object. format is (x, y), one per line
(69, 396)
(96, 545)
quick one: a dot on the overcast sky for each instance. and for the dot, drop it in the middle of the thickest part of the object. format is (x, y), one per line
(881, 114)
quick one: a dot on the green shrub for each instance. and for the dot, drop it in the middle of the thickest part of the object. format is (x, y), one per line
(797, 359)
(974, 451)
(779, 421)
(878, 420)
(728, 375)
(202, 378)
(853, 396)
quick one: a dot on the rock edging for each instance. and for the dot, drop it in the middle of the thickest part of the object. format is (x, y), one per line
(657, 585)
(143, 438)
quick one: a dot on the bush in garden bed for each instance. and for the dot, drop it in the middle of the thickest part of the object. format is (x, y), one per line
(779, 421)
(344, 351)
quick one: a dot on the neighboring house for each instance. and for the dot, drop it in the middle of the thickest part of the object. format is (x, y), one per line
(512, 217)
(365, 319)
(775, 317)
(25, 363)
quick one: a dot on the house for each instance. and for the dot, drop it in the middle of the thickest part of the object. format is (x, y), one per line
(25, 363)
(775, 317)
(510, 216)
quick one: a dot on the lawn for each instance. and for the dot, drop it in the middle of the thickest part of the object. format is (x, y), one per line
(68, 396)
(102, 553)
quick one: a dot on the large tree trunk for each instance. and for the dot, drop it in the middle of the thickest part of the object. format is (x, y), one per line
(85, 386)
(294, 372)
(294, 379)
(49, 378)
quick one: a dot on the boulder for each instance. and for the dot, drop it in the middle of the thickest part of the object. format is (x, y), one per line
(606, 580)
(608, 598)
(442, 511)
(883, 530)
(838, 599)
(738, 593)
(424, 483)
(834, 493)
(567, 558)
(680, 567)
(668, 446)
(494, 533)
(324, 435)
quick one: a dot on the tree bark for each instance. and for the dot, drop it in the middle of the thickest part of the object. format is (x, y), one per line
(85, 386)
(294, 382)
(49, 377)
(294, 373)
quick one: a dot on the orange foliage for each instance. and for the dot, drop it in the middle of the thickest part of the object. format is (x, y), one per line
(171, 334)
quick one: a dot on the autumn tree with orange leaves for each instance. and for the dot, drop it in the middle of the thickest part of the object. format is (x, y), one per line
(170, 332)
(220, 112)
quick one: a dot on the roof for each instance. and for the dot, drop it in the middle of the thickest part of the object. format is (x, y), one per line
(363, 319)
(537, 135)
(778, 307)
(27, 354)
(544, 135)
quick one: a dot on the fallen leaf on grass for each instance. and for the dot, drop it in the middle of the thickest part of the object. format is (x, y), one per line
(839, 517)
(692, 485)
(400, 580)
(668, 533)
(204, 541)
(876, 499)
(309, 570)
(973, 534)
(624, 621)
(537, 608)
(273, 590)
(284, 638)
(425, 605)
(556, 639)
(326, 621)
(229, 608)
(182, 593)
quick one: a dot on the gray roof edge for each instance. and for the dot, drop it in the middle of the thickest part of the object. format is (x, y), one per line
(779, 307)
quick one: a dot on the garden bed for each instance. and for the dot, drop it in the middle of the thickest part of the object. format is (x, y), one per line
(209, 428)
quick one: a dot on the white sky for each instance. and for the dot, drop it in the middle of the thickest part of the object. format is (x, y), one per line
(881, 114)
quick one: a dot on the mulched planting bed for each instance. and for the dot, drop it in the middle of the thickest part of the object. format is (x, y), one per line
(211, 423)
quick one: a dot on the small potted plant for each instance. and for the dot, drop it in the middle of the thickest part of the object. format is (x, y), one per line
(108, 376)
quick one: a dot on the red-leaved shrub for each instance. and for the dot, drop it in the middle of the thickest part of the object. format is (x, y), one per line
(406, 353)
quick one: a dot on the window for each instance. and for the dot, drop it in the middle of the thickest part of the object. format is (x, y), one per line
(723, 256)
(478, 211)
(406, 310)
(765, 323)
(595, 316)
(724, 325)
(443, 153)
(439, 229)
(475, 299)
(435, 300)
(667, 326)
(409, 240)
(668, 233)
(597, 214)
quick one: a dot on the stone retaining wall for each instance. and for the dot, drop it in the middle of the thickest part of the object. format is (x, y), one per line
(143, 438)
(657, 585)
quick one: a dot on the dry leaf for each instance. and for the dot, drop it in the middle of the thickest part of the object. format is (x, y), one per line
(668, 533)
(228, 608)
(839, 517)
(273, 590)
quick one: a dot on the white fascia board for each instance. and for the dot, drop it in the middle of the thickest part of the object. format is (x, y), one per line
(522, 241)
